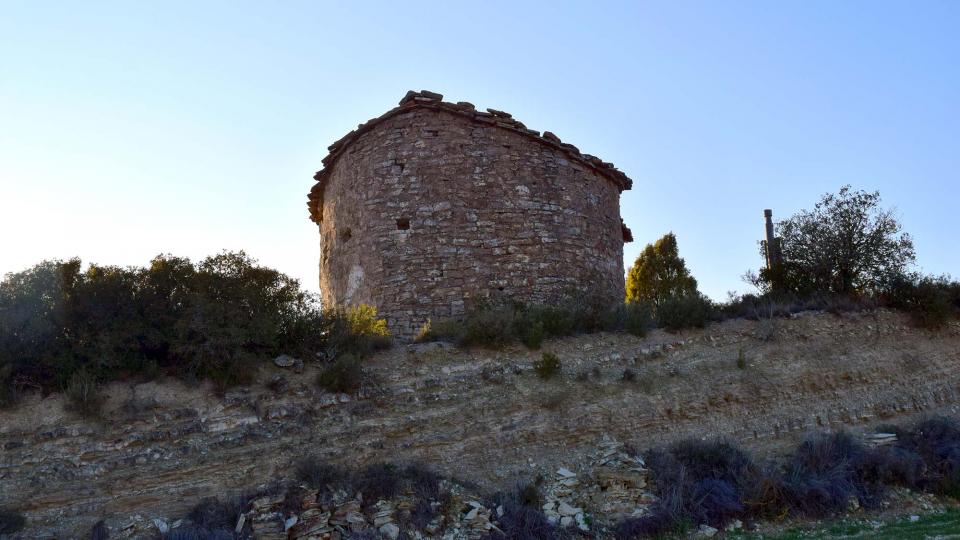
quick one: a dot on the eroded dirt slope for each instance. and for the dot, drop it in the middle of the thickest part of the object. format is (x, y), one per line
(482, 416)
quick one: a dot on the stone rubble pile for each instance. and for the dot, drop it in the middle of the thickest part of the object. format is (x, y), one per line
(340, 516)
(610, 488)
(620, 482)
(613, 489)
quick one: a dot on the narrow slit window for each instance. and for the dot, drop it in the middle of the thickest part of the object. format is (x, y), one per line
(403, 224)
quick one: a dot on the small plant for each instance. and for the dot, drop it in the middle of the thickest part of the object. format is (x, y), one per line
(531, 333)
(741, 359)
(547, 366)
(83, 394)
(343, 375)
(10, 521)
(425, 333)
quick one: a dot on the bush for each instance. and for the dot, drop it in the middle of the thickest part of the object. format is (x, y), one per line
(10, 521)
(378, 481)
(547, 366)
(676, 314)
(424, 482)
(522, 517)
(374, 482)
(931, 302)
(342, 375)
(355, 330)
(212, 320)
(319, 475)
(99, 531)
(83, 395)
(935, 442)
(637, 318)
(696, 480)
(496, 325)
(213, 514)
(489, 327)
(826, 472)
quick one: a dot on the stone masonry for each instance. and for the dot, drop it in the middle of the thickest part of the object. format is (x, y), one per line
(435, 205)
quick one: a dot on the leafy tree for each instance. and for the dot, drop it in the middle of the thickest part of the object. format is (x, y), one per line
(34, 341)
(659, 274)
(847, 244)
(60, 326)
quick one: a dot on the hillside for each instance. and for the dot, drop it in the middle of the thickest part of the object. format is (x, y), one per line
(481, 416)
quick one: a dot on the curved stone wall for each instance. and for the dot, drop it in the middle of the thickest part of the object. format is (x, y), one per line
(429, 210)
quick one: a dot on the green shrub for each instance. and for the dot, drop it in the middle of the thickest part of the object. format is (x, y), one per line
(530, 332)
(637, 318)
(741, 359)
(547, 366)
(216, 319)
(489, 327)
(342, 375)
(931, 301)
(686, 312)
(83, 394)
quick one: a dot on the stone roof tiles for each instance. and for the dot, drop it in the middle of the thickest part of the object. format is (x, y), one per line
(433, 100)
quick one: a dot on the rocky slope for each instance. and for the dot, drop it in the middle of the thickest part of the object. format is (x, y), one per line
(480, 416)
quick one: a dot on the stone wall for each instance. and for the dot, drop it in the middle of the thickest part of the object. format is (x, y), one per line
(435, 205)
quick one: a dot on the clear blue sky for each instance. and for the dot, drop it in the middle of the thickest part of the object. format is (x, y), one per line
(128, 129)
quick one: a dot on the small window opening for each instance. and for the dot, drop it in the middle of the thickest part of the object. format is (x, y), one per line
(345, 234)
(431, 132)
(403, 224)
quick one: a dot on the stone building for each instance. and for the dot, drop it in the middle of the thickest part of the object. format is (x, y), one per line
(434, 205)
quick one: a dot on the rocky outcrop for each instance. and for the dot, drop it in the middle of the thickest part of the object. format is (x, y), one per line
(480, 416)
